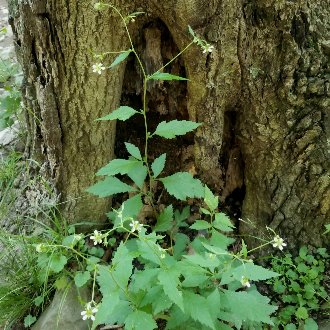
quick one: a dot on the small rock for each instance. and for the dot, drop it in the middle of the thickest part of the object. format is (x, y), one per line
(64, 313)
(9, 135)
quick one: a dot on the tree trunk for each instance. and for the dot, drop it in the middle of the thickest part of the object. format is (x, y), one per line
(261, 95)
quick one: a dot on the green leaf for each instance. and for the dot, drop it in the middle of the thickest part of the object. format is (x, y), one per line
(210, 200)
(119, 166)
(140, 320)
(327, 229)
(143, 279)
(182, 185)
(138, 174)
(81, 278)
(310, 324)
(206, 261)
(301, 313)
(171, 129)
(191, 31)
(169, 279)
(222, 222)
(29, 320)
(200, 225)
(181, 243)
(158, 165)
(253, 272)
(133, 150)
(109, 186)
(57, 262)
(252, 306)
(122, 113)
(213, 303)
(165, 219)
(196, 306)
(165, 76)
(121, 57)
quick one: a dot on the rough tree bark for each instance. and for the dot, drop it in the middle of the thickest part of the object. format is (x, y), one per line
(262, 97)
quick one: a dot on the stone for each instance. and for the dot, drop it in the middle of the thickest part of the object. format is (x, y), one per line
(64, 312)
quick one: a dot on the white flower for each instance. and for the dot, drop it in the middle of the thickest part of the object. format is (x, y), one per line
(136, 226)
(97, 237)
(207, 48)
(98, 68)
(89, 312)
(245, 282)
(40, 248)
(278, 242)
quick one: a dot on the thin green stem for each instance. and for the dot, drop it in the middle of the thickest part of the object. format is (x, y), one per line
(175, 57)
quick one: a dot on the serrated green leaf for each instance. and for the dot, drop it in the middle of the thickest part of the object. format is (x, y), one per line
(302, 313)
(181, 243)
(200, 225)
(165, 219)
(121, 57)
(222, 222)
(112, 310)
(208, 260)
(165, 76)
(138, 174)
(140, 320)
(29, 320)
(169, 279)
(158, 165)
(143, 279)
(57, 262)
(213, 303)
(220, 240)
(119, 166)
(109, 186)
(182, 185)
(210, 200)
(253, 272)
(327, 229)
(81, 278)
(122, 113)
(196, 306)
(133, 150)
(171, 129)
(252, 306)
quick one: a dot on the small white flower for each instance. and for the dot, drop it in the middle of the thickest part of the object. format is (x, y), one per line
(278, 242)
(40, 248)
(207, 48)
(97, 237)
(98, 68)
(136, 226)
(245, 281)
(89, 312)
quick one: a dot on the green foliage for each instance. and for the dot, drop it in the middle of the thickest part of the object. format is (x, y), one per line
(186, 278)
(300, 291)
(10, 100)
(174, 128)
(122, 113)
